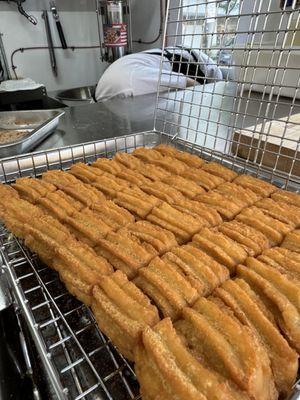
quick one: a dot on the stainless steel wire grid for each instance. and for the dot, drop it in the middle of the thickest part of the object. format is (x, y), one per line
(250, 112)
(80, 361)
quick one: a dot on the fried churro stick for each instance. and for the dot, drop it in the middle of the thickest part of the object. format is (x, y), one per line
(80, 268)
(87, 227)
(284, 360)
(136, 201)
(219, 170)
(286, 197)
(191, 160)
(280, 295)
(32, 189)
(41, 244)
(58, 177)
(242, 196)
(85, 194)
(167, 370)
(286, 261)
(160, 239)
(171, 165)
(107, 165)
(228, 347)
(168, 288)
(122, 311)
(202, 178)
(85, 173)
(262, 188)
(153, 172)
(163, 192)
(43, 234)
(187, 187)
(226, 207)
(7, 192)
(207, 215)
(59, 205)
(114, 216)
(125, 252)
(292, 241)
(147, 155)
(181, 224)
(219, 246)
(272, 228)
(201, 270)
(251, 239)
(284, 212)
(16, 212)
(110, 185)
(128, 161)
(133, 177)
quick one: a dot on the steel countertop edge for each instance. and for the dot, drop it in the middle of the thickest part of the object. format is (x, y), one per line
(96, 121)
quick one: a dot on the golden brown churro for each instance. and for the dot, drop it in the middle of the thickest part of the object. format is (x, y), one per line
(32, 189)
(125, 252)
(168, 288)
(136, 201)
(279, 294)
(122, 311)
(284, 212)
(272, 228)
(228, 348)
(219, 170)
(107, 165)
(219, 246)
(128, 161)
(160, 239)
(202, 178)
(286, 197)
(258, 186)
(190, 159)
(201, 270)
(292, 241)
(286, 261)
(59, 205)
(163, 192)
(253, 241)
(181, 224)
(284, 360)
(187, 187)
(80, 268)
(166, 369)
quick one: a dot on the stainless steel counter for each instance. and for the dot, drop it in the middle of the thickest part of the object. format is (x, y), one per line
(88, 122)
(208, 115)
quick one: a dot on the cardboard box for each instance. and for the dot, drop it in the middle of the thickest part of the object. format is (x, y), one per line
(275, 145)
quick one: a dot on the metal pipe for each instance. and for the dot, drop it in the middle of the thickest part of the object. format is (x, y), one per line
(50, 42)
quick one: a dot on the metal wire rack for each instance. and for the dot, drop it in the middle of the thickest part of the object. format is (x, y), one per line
(246, 119)
(248, 106)
(80, 361)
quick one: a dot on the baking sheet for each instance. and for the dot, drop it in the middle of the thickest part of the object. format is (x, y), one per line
(37, 125)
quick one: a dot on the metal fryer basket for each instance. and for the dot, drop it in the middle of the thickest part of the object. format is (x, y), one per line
(80, 361)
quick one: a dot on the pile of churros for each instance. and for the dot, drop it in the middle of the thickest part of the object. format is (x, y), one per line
(192, 270)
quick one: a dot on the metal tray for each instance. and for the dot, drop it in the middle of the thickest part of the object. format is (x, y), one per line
(39, 124)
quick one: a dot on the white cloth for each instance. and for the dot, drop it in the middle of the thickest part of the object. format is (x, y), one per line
(138, 74)
(13, 85)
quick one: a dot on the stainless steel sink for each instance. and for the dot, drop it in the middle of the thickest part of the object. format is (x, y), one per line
(84, 93)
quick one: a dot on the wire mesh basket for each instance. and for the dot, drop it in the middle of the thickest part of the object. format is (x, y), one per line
(248, 107)
(245, 114)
